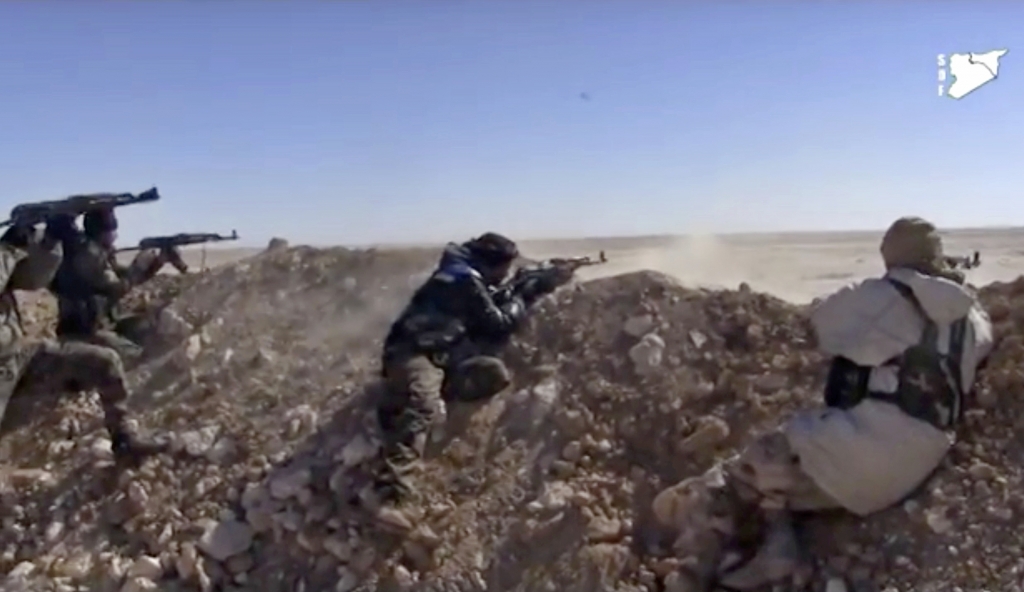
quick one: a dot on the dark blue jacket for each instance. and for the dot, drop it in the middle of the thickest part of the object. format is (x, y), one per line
(453, 314)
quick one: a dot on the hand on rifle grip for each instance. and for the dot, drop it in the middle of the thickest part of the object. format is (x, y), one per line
(173, 256)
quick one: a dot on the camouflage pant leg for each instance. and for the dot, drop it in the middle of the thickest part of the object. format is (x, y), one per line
(476, 379)
(770, 468)
(13, 363)
(406, 416)
(73, 366)
(736, 502)
(767, 474)
(137, 328)
(129, 351)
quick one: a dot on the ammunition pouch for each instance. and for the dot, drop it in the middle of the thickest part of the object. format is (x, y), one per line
(434, 335)
(929, 382)
(847, 383)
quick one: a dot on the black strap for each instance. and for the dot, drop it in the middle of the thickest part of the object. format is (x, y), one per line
(952, 372)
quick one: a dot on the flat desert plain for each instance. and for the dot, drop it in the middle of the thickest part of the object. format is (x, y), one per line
(797, 266)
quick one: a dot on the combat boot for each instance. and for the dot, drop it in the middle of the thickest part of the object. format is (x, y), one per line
(708, 514)
(382, 504)
(778, 558)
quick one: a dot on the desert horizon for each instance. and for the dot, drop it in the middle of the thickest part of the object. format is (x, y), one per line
(796, 266)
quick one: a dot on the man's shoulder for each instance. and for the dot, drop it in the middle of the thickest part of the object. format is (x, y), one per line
(455, 272)
(10, 255)
(7, 250)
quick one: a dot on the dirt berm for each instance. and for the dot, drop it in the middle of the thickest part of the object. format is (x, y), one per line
(623, 384)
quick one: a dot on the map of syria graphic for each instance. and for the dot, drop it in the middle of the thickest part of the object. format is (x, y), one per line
(971, 71)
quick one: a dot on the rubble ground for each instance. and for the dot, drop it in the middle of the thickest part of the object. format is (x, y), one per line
(623, 385)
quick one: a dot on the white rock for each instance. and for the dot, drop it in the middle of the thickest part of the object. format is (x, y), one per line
(347, 580)
(253, 495)
(301, 419)
(647, 354)
(139, 585)
(937, 521)
(638, 325)
(339, 548)
(23, 570)
(194, 346)
(288, 483)
(54, 530)
(186, 563)
(197, 442)
(146, 567)
(137, 494)
(403, 577)
(835, 585)
(556, 495)
(357, 451)
(226, 539)
(76, 567)
(222, 450)
(100, 448)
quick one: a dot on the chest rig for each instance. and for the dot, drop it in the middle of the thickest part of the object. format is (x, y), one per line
(930, 386)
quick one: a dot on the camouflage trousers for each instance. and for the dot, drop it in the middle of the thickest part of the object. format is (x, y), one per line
(736, 501)
(72, 366)
(126, 337)
(766, 474)
(415, 391)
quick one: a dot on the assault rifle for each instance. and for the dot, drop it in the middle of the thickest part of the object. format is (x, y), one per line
(180, 240)
(30, 214)
(561, 269)
(168, 244)
(963, 262)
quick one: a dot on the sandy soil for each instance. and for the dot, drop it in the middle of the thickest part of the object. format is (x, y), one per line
(796, 267)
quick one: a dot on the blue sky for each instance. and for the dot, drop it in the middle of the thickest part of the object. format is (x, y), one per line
(357, 122)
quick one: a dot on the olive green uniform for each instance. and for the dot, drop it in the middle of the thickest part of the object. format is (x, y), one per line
(26, 365)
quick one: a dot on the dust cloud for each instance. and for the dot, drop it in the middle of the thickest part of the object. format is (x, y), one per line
(716, 262)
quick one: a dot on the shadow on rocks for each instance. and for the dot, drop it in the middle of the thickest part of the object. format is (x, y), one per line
(306, 515)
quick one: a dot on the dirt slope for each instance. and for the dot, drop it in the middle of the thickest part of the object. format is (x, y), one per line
(623, 384)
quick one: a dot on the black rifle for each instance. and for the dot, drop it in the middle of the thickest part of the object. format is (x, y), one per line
(30, 214)
(561, 268)
(180, 240)
(169, 243)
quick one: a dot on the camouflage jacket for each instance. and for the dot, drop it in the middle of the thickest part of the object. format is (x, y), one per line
(453, 315)
(91, 282)
(29, 269)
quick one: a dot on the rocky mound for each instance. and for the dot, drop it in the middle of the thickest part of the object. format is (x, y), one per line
(623, 385)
